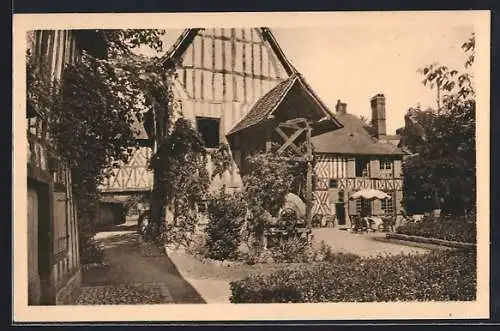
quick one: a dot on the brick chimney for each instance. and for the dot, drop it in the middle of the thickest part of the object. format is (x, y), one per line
(341, 107)
(378, 114)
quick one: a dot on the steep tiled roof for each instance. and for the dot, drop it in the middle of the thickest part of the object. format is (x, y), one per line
(352, 139)
(265, 105)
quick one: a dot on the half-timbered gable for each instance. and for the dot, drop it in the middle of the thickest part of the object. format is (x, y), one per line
(133, 176)
(221, 74)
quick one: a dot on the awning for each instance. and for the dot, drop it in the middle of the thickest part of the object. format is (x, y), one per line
(370, 194)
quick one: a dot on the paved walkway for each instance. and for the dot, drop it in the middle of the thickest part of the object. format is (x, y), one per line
(138, 273)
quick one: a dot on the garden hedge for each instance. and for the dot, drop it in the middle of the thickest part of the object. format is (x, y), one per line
(436, 276)
(445, 228)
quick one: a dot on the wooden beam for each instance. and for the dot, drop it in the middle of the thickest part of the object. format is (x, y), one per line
(202, 64)
(290, 141)
(261, 64)
(252, 65)
(213, 64)
(244, 67)
(233, 63)
(309, 179)
(223, 50)
(289, 126)
(193, 78)
(295, 123)
(285, 137)
(229, 72)
(225, 38)
(298, 120)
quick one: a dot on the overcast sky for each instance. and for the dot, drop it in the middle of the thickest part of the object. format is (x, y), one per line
(353, 63)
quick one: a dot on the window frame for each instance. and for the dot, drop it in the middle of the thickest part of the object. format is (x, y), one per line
(218, 135)
(365, 171)
(386, 163)
(387, 205)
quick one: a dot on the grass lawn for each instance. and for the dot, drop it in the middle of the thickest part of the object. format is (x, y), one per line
(212, 280)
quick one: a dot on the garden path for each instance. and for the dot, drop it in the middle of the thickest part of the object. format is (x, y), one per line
(137, 273)
(366, 244)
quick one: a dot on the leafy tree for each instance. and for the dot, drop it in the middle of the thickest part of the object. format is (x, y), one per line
(442, 174)
(89, 111)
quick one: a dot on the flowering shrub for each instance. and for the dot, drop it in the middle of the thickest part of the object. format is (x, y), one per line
(437, 276)
(446, 228)
(226, 213)
(292, 249)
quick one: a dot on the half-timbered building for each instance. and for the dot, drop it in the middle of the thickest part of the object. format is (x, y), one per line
(53, 260)
(238, 87)
(350, 159)
(221, 73)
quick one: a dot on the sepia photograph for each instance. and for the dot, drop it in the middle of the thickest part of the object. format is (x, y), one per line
(184, 162)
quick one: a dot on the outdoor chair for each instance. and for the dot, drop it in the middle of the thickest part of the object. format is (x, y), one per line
(358, 224)
(389, 223)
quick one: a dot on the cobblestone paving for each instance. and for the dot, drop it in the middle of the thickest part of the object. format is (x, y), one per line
(120, 295)
(137, 273)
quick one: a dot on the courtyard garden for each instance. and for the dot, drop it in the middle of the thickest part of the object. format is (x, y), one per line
(248, 247)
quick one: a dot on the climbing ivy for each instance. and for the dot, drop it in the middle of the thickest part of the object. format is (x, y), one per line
(89, 111)
(181, 181)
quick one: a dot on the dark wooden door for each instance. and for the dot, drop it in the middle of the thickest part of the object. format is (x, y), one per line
(340, 212)
(33, 275)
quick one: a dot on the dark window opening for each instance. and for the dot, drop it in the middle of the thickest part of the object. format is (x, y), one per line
(362, 167)
(202, 207)
(341, 196)
(209, 129)
(333, 183)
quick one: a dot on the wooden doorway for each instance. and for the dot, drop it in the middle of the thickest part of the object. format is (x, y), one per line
(340, 212)
(34, 293)
(40, 248)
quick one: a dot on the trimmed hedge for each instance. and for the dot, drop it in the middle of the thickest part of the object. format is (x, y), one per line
(437, 276)
(452, 229)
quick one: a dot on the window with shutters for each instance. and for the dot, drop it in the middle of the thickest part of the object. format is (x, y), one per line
(60, 224)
